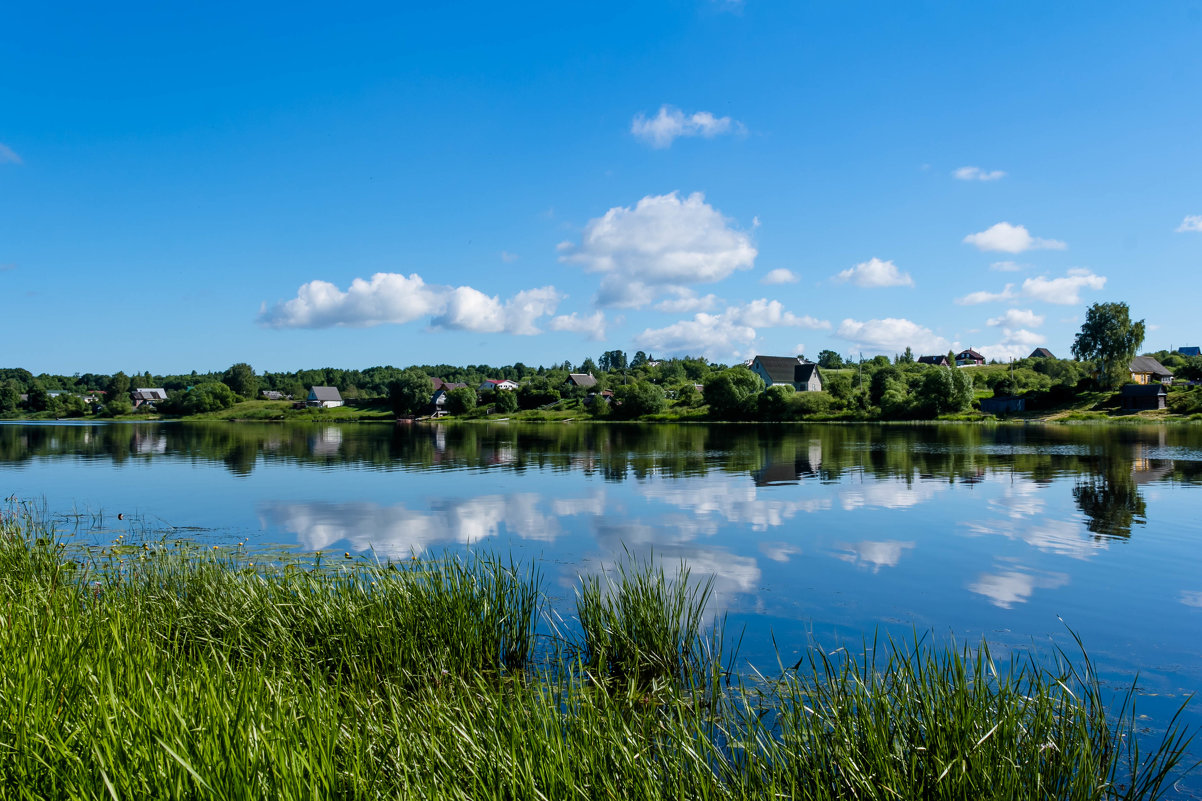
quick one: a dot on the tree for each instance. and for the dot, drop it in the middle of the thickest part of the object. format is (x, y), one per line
(462, 400)
(639, 360)
(588, 366)
(241, 379)
(410, 392)
(944, 390)
(829, 360)
(612, 361)
(638, 399)
(1110, 338)
(731, 393)
(118, 385)
(774, 402)
(208, 396)
(907, 357)
(505, 402)
(10, 395)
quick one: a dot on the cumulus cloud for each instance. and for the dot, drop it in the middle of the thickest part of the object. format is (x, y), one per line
(891, 335)
(709, 335)
(977, 174)
(671, 123)
(1012, 587)
(1065, 291)
(1005, 266)
(1015, 344)
(875, 273)
(873, 554)
(1192, 222)
(772, 314)
(779, 276)
(1017, 317)
(1006, 238)
(686, 301)
(397, 299)
(664, 242)
(7, 156)
(591, 326)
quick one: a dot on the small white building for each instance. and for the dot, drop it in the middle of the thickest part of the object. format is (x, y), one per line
(325, 397)
(493, 384)
(803, 376)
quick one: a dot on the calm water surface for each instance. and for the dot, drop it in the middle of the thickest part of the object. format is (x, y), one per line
(812, 532)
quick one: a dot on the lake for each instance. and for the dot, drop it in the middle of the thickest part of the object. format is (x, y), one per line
(812, 533)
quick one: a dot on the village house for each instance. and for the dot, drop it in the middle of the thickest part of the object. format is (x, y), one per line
(1138, 397)
(273, 395)
(324, 397)
(439, 399)
(1190, 350)
(150, 395)
(493, 384)
(969, 358)
(1146, 370)
(1041, 353)
(582, 380)
(802, 375)
(937, 361)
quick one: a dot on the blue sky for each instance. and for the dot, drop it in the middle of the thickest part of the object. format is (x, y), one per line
(296, 186)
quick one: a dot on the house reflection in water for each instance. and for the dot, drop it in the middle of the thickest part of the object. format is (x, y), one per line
(1110, 497)
(790, 471)
(326, 442)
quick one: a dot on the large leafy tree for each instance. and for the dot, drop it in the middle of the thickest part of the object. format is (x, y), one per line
(462, 400)
(829, 360)
(638, 399)
(410, 392)
(1109, 338)
(731, 394)
(241, 378)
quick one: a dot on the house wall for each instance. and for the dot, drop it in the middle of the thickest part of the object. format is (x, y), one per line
(813, 385)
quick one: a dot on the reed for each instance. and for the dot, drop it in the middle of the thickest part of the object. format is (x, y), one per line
(185, 673)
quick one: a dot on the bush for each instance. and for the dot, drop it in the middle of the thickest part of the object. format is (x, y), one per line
(211, 396)
(462, 400)
(638, 399)
(731, 394)
(805, 404)
(505, 402)
(774, 402)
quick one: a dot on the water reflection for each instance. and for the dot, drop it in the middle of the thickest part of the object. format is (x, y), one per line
(1010, 587)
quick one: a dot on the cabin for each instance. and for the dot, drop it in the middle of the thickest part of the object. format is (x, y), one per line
(324, 397)
(1003, 405)
(1141, 397)
(439, 399)
(1190, 350)
(1146, 370)
(1041, 353)
(273, 395)
(802, 375)
(582, 380)
(936, 361)
(969, 358)
(147, 395)
(494, 384)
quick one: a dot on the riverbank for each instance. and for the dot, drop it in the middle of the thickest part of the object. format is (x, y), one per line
(164, 670)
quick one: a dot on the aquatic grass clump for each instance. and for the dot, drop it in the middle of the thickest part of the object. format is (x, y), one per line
(642, 628)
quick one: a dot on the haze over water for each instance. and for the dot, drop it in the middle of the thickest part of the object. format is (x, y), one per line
(828, 533)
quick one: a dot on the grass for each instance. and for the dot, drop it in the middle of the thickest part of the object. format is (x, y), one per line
(169, 671)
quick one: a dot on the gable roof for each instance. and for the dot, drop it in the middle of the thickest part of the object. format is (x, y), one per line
(781, 369)
(582, 379)
(324, 394)
(1137, 390)
(152, 393)
(1041, 353)
(803, 372)
(1147, 364)
(932, 359)
(969, 354)
(1190, 350)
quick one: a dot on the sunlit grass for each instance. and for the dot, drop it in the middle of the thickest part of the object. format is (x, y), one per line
(152, 670)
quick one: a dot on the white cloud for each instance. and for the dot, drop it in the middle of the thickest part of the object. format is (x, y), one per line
(663, 243)
(1015, 344)
(7, 156)
(1192, 222)
(891, 335)
(1012, 587)
(508, 257)
(977, 174)
(1065, 291)
(709, 335)
(686, 301)
(875, 273)
(670, 123)
(592, 326)
(779, 276)
(874, 554)
(1017, 317)
(1005, 266)
(772, 314)
(1006, 238)
(398, 299)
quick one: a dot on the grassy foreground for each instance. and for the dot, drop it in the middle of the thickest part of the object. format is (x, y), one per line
(164, 671)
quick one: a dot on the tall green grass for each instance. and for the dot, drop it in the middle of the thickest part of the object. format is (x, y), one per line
(180, 673)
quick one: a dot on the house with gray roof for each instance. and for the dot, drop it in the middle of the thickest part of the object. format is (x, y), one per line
(802, 375)
(324, 397)
(1146, 370)
(1041, 353)
(583, 380)
(1138, 397)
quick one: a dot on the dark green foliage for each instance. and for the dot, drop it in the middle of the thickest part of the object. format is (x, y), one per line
(1110, 338)
(829, 360)
(806, 404)
(944, 390)
(39, 398)
(774, 402)
(637, 399)
(462, 400)
(211, 396)
(612, 361)
(242, 380)
(410, 392)
(504, 402)
(10, 395)
(539, 391)
(117, 385)
(731, 394)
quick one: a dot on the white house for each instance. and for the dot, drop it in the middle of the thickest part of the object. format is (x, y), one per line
(325, 397)
(491, 384)
(803, 376)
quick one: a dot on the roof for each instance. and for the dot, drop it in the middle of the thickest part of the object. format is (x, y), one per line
(151, 393)
(969, 354)
(1139, 390)
(497, 381)
(781, 369)
(324, 394)
(932, 359)
(804, 372)
(582, 379)
(1190, 350)
(1146, 364)
(1041, 353)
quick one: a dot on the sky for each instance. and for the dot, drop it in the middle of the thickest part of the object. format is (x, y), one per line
(185, 186)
